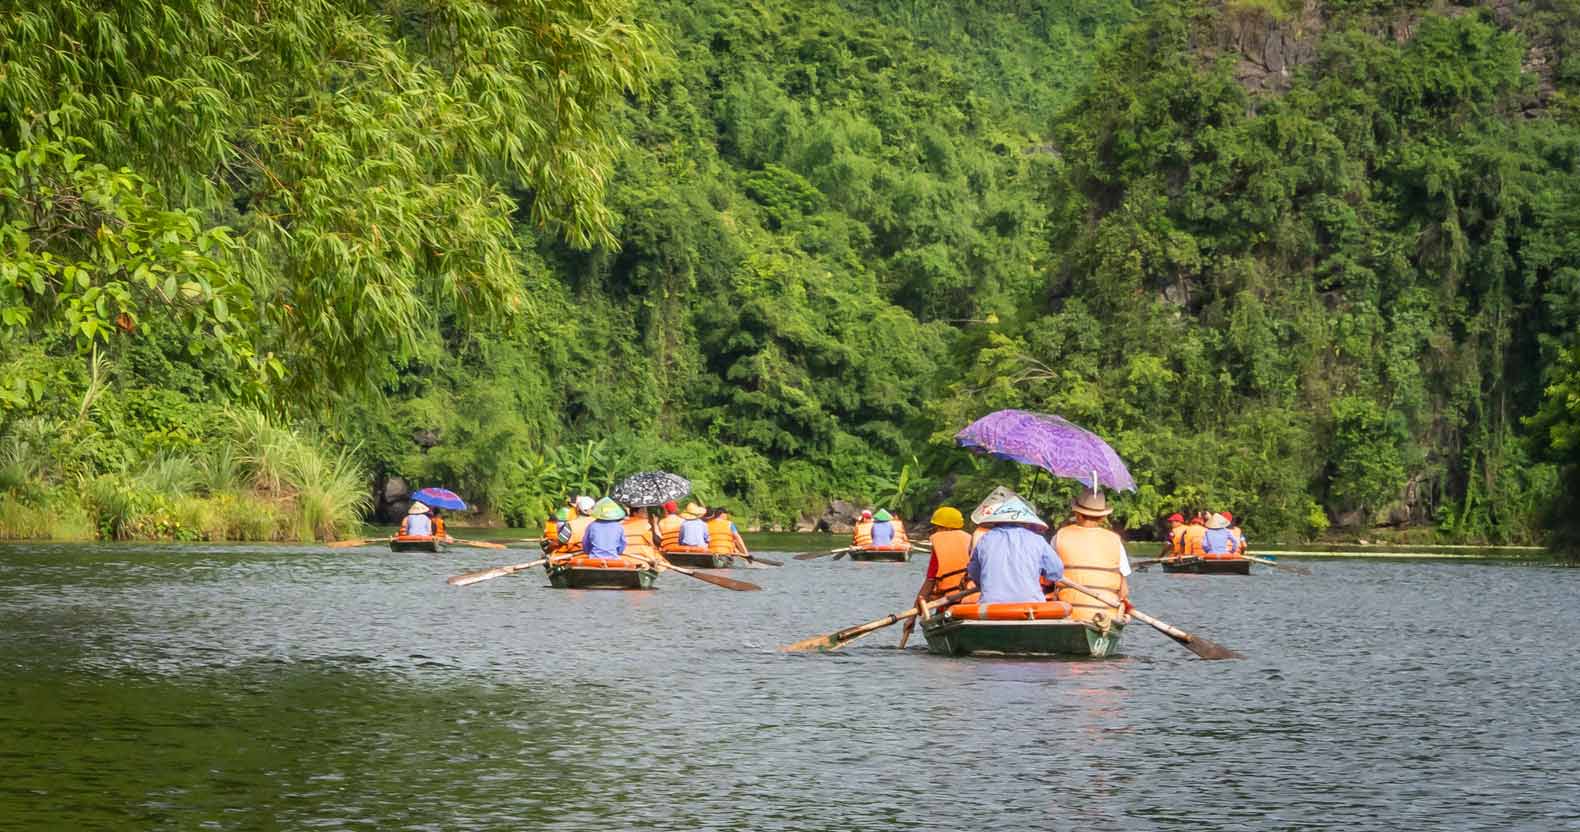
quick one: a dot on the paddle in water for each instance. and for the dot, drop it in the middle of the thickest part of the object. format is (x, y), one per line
(1194, 643)
(716, 580)
(342, 544)
(839, 638)
(489, 574)
(816, 555)
(1291, 567)
(481, 544)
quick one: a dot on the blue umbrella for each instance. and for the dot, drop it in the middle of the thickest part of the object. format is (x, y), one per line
(440, 498)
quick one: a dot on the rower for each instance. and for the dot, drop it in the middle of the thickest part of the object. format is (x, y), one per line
(1094, 557)
(1236, 533)
(1174, 544)
(1218, 540)
(605, 535)
(1193, 535)
(551, 530)
(951, 551)
(416, 522)
(570, 534)
(861, 536)
(1012, 555)
(723, 537)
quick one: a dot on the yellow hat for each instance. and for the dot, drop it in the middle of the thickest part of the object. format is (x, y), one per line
(694, 511)
(948, 517)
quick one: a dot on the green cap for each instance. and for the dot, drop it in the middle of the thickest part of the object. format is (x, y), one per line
(883, 516)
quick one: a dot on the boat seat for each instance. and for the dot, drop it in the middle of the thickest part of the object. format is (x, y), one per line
(1028, 611)
(589, 562)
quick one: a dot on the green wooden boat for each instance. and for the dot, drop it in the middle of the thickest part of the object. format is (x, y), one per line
(565, 576)
(881, 555)
(948, 636)
(418, 544)
(1206, 566)
(699, 560)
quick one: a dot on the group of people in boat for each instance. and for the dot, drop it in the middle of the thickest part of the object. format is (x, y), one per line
(1011, 558)
(1206, 534)
(880, 531)
(606, 529)
(422, 521)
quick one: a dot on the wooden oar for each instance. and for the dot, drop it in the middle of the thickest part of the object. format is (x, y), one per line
(342, 544)
(489, 574)
(481, 544)
(836, 639)
(755, 559)
(816, 555)
(905, 635)
(1196, 644)
(1292, 567)
(716, 580)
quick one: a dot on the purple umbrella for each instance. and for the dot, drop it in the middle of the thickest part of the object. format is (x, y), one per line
(440, 498)
(1049, 442)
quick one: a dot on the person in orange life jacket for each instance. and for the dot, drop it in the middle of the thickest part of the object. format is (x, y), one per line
(1174, 544)
(1234, 531)
(416, 522)
(861, 536)
(438, 526)
(1218, 540)
(1095, 557)
(605, 536)
(1193, 535)
(693, 529)
(572, 533)
(667, 529)
(951, 551)
(723, 536)
(551, 529)
(639, 533)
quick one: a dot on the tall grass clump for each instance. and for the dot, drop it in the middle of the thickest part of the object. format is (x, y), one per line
(327, 492)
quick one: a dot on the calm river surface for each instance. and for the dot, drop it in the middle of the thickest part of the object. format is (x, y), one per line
(237, 687)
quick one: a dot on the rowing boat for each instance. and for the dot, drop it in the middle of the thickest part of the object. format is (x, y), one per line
(582, 572)
(698, 559)
(417, 543)
(950, 634)
(1208, 565)
(883, 554)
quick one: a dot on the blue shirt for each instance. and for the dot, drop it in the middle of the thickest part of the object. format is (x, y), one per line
(1007, 562)
(882, 533)
(694, 533)
(604, 539)
(419, 525)
(1218, 542)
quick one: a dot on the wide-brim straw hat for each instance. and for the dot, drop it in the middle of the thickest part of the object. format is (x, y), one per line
(584, 504)
(1006, 508)
(418, 508)
(1217, 522)
(694, 511)
(607, 509)
(1092, 504)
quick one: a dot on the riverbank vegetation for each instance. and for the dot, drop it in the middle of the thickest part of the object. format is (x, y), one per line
(1310, 261)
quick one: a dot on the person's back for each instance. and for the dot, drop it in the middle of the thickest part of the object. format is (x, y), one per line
(882, 533)
(416, 525)
(669, 531)
(898, 526)
(694, 533)
(1193, 538)
(573, 534)
(604, 539)
(639, 536)
(862, 535)
(1093, 557)
(721, 535)
(951, 553)
(1218, 542)
(1008, 564)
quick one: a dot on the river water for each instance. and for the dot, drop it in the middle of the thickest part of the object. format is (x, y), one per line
(237, 687)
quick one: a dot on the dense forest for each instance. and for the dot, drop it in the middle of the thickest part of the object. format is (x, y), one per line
(1312, 261)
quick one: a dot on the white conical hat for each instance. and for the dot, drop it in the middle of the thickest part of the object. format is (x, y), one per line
(1005, 506)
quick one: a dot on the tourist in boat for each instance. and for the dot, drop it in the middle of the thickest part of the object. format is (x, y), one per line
(417, 522)
(1012, 558)
(723, 537)
(861, 536)
(886, 530)
(551, 529)
(669, 526)
(1193, 536)
(605, 535)
(438, 525)
(639, 533)
(1218, 540)
(1174, 544)
(571, 533)
(951, 551)
(1235, 533)
(1094, 557)
(693, 529)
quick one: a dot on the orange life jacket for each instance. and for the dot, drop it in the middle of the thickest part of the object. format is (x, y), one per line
(1177, 541)
(638, 537)
(438, 527)
(721, 540)
(579, 525)
(1091, 558)
(899, 530)
(669, 531)
(952, 549)
(1239, 539)
(1195, 533)
(863, 534)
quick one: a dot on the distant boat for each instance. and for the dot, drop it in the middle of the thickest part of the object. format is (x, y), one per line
(418, 543)
(892, 553)
(1208, 565)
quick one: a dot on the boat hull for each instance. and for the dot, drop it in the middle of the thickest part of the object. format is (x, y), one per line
(577, 577)
(1207, 566)
(1063, 637)
(881, 555)
(429, 544)
(699, 560)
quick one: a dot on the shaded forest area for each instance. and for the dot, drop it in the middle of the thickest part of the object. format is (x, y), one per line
(1314, 262)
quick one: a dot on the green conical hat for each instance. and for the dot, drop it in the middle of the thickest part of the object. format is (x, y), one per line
(563, 515)
(883, 516)
(607, 509)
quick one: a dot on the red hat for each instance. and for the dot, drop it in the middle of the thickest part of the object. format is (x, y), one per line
(1176, 517)
(866, 513)
(1198, 520)
(1227, 516)
(669, 506)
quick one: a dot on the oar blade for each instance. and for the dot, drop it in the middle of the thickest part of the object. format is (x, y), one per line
(476, 577)
(816, 555)
(764, 561)
(343, 544)
(1209, 649)
(727, 583)
(823, 642)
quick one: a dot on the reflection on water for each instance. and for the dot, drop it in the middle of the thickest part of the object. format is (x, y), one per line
(277, 688)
